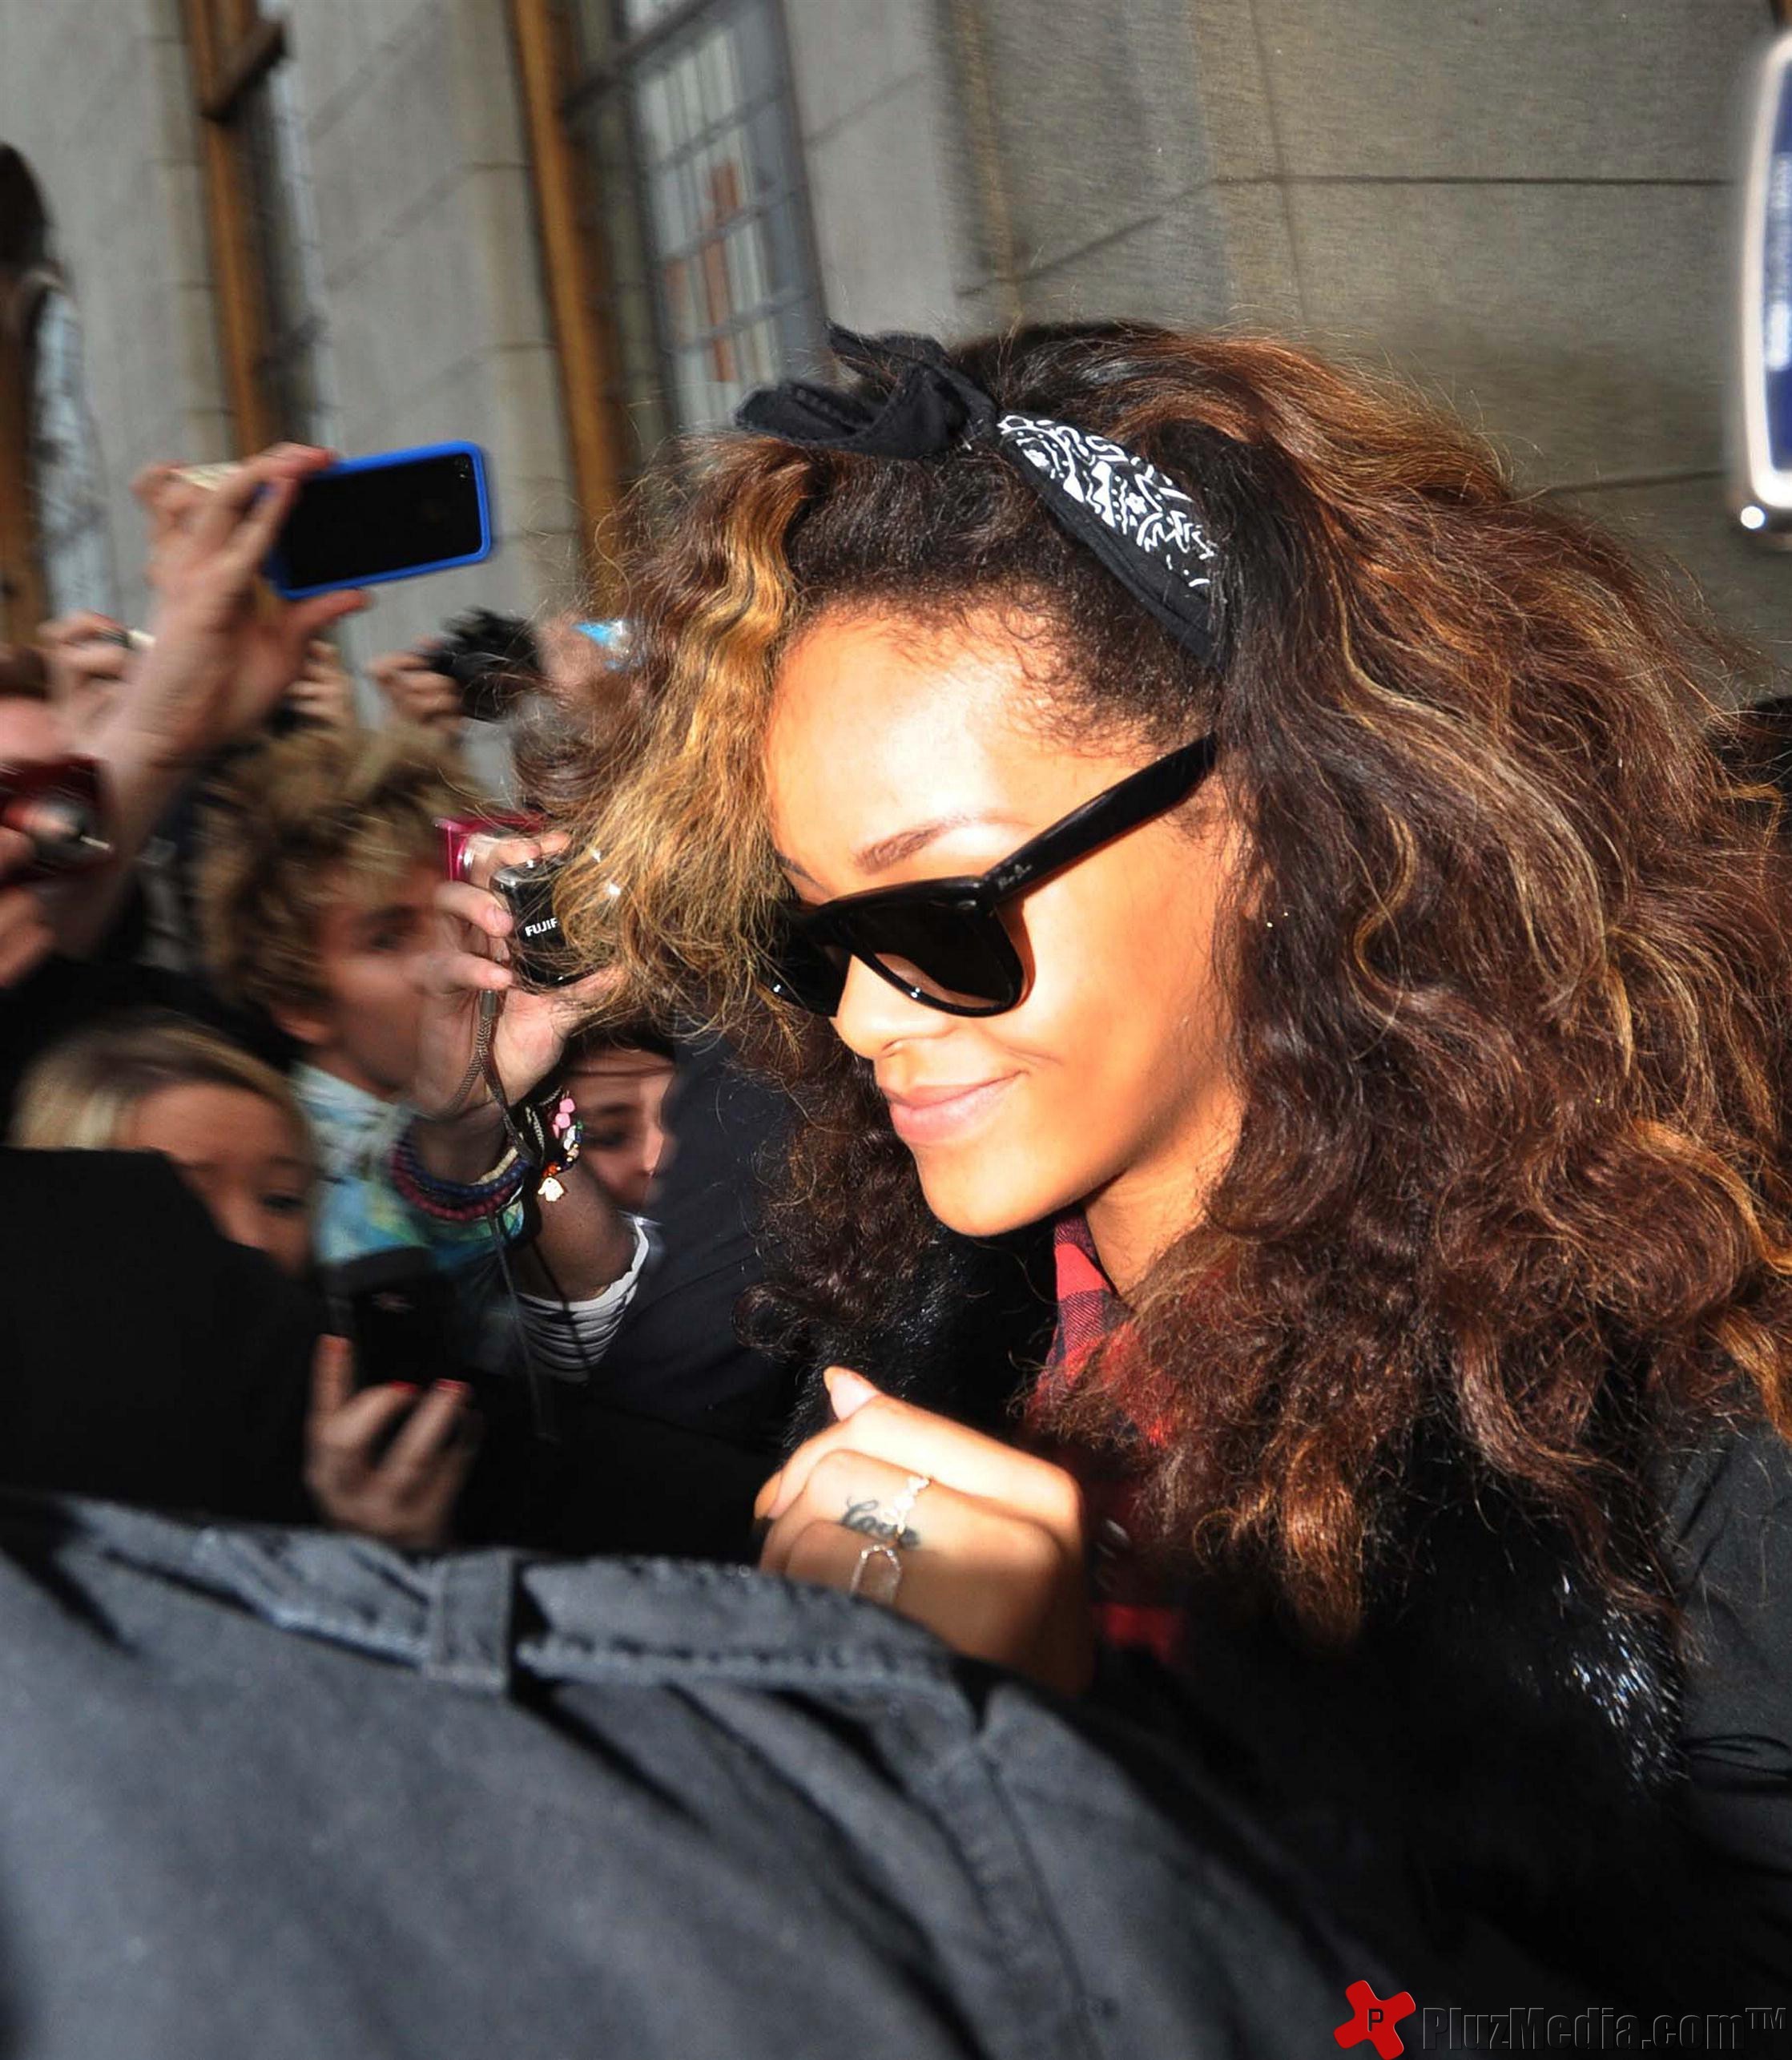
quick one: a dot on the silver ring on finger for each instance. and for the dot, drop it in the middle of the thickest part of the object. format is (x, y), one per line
(882, 1590)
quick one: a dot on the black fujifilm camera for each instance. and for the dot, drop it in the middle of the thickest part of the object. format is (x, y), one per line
(538, 949)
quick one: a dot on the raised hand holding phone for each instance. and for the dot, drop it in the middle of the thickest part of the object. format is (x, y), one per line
(394, 514)
(220, 664)
(390, 1460)
(415, 692)
(217, 664)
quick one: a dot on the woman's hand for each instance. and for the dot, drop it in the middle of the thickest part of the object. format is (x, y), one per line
(371, 1470)
(222, 662)
(171, 499)
(991, 1553)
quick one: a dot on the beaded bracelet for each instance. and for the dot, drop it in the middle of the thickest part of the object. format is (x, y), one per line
(554, 1132)
(564, 1140)
(444, 1211)
(456, 1201)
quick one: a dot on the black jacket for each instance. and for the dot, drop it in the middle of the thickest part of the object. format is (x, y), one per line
(1505, 1779)
(665, 1448)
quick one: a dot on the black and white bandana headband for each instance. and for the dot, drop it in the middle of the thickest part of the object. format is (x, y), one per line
(1141, 524)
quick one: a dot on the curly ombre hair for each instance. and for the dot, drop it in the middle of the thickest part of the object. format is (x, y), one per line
(1511, 1050)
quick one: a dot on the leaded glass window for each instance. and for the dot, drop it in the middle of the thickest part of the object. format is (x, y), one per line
(684, 111)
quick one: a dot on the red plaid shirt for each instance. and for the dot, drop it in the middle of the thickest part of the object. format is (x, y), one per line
(1136, 1602)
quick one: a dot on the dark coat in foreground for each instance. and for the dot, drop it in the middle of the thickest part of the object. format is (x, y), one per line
(300, 1797)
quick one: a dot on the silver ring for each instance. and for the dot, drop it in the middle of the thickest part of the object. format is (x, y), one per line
(891, 1561)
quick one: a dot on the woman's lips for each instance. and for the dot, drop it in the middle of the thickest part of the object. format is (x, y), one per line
(944, 1115)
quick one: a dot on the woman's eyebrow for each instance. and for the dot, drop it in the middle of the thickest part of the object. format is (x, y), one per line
(883, 852)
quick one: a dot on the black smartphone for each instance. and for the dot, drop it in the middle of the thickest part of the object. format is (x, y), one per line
(392, 516)
(397, 1310)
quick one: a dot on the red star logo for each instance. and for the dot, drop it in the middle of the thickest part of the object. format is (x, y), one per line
(1375, 2020)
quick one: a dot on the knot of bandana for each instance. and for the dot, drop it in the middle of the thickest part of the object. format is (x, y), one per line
(914, 403)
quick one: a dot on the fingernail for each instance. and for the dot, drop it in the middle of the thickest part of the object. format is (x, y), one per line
(404, 1387)
(458, 1389)
(847, 1391)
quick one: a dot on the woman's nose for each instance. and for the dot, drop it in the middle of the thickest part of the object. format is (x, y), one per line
(873, 1015)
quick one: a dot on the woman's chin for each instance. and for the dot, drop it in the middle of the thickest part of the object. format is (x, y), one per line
(983, 1207)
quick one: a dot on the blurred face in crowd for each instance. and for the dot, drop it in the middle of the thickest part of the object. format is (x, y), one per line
(241, 1155)
(898, 752)
(620, 1094)
(364, 1030)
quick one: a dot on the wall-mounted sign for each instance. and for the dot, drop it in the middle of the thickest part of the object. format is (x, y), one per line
(1761, 414)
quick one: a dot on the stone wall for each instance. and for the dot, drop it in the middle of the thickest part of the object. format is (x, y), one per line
(94, 95)
(1528, 206)
(432, 271)
(1522, 204)
(436, 321)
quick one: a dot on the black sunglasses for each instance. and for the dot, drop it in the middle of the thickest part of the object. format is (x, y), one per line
(943, 941)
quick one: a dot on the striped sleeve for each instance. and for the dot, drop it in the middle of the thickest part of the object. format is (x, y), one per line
(570, 1338)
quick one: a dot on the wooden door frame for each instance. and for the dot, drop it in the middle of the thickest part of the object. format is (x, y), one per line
(575, 277)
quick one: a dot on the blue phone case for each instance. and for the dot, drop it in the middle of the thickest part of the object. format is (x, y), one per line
(275, 573)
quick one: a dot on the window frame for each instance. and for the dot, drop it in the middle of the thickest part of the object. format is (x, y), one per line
(231, 47)
(557, 87)
(576, 276)
(22, 592)
(33, 293)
